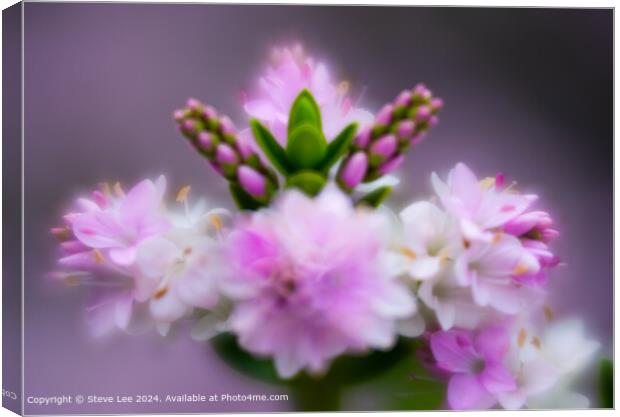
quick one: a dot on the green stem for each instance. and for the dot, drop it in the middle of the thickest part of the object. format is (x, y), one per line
(316, 395)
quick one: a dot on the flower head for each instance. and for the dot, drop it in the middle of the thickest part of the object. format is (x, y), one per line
(290, 72)
(309, 283)
(137, 255)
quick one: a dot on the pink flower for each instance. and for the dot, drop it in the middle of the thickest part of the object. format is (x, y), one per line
(309, 282)
(480, 206)
(475, 362)
(292, 71)
(534, 229)
(121, 223)
(489, 270)
(173, 262)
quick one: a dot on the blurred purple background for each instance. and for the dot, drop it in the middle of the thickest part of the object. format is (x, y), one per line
(527, 91)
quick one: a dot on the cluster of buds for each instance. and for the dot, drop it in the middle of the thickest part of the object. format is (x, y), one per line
(380, 148)
(214, 137)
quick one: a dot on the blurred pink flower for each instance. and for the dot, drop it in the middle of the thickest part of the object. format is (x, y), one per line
(309, 282)
(144, 264)
(475, 363)
(291, 72)
(119, 224)
(480, 207)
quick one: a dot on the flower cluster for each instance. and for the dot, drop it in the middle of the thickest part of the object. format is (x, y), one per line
(305, 271)
(481, 262)
(215, 138)
(138, 258)
(380, 147)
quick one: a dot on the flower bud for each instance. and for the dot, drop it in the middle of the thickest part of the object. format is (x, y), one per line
(252, 181)
(384, 147)
(404, 98)
(406, 129)
(227, 126)
(353, 170)
(194, 104)
(206, 141)
(385, 114)
(363, 138)
(436, 104)
(422, 113)
(391, 165)
(178, 115)
(189, 126)
(225, 155)
(209, 113)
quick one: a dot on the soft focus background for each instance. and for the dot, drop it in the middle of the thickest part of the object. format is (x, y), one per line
(527, 91)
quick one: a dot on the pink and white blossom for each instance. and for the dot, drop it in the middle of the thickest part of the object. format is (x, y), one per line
(488, 270)
(290, 72)
(545, 359)
(481, 206)
(117, 225)
(308, 282)
(140, 258)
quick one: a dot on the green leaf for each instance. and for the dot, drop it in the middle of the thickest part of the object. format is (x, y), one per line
(375, 197)
(606, 383)
(306, 147)
(338, 147)
(243, 200)
(304, 111)
(310, 182)
(227, 348)
(270, 146)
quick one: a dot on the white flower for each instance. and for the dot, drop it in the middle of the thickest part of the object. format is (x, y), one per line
(184, 264)
(488, 268)
(546, 362)
(452, 304)
(430, 239)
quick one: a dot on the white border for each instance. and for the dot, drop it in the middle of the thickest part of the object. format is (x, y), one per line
(479, 3)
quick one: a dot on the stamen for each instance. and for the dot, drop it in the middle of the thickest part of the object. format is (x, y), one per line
(99, 258)
(118, 190)
(160, 293)
(536, 342)
(487, 182)
(520, 270)
(511, 187)
(183, 193)
(72, 280)
(343, 87)
(466, 243)
(548, 312)
(216, 221)
(443, 257)
(408, 253)
(106, 189)
(61, 233)
(521, 338)
(497, 237)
